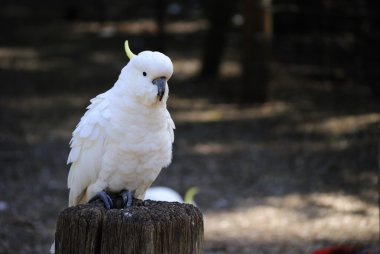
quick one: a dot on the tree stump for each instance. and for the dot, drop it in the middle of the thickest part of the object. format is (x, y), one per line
(146, 227)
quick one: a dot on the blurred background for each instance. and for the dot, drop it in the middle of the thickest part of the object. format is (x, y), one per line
(276, 105)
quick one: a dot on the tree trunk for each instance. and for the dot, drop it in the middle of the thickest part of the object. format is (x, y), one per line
(146, 227)
(219, 14)
(257, 31)
(160, 13)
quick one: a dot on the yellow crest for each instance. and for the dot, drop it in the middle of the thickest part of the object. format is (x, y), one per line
(128, 50)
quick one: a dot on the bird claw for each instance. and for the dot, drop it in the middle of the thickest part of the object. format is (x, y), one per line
(127, 198)
(104, 197)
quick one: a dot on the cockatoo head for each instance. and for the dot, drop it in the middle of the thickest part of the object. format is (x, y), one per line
(145, 76)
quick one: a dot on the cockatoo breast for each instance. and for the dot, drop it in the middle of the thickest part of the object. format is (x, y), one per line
(137, 147)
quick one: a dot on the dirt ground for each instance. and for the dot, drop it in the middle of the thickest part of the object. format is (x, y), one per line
(289, 176)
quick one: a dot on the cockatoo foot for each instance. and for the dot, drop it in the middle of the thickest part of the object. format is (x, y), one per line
(103, 196)
(127, 198)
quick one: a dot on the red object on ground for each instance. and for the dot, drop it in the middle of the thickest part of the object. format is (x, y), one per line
(337, 250)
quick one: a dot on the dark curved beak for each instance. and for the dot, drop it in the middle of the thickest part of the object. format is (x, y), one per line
(161, 84)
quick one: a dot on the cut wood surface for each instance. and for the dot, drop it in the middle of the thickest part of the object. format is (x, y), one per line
(146, 227)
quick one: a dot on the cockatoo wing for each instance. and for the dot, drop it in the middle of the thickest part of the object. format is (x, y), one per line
(87, 147)
(171, 125)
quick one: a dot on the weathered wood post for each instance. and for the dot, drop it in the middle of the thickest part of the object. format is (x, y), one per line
(146, 227)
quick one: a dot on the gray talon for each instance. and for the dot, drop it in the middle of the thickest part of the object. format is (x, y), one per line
(127, 198)
(104, 197)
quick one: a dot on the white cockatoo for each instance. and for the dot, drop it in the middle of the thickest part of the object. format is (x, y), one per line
(125, 138)
(162, 193)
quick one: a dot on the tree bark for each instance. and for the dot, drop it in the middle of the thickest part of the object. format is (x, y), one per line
(146, 227)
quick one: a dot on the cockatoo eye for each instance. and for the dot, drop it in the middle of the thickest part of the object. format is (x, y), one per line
(144, 73)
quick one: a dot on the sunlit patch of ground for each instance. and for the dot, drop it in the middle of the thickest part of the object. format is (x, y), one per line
(343, 125)
(198, 110)
(137, 27)
(20, 58)
(301, 223)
